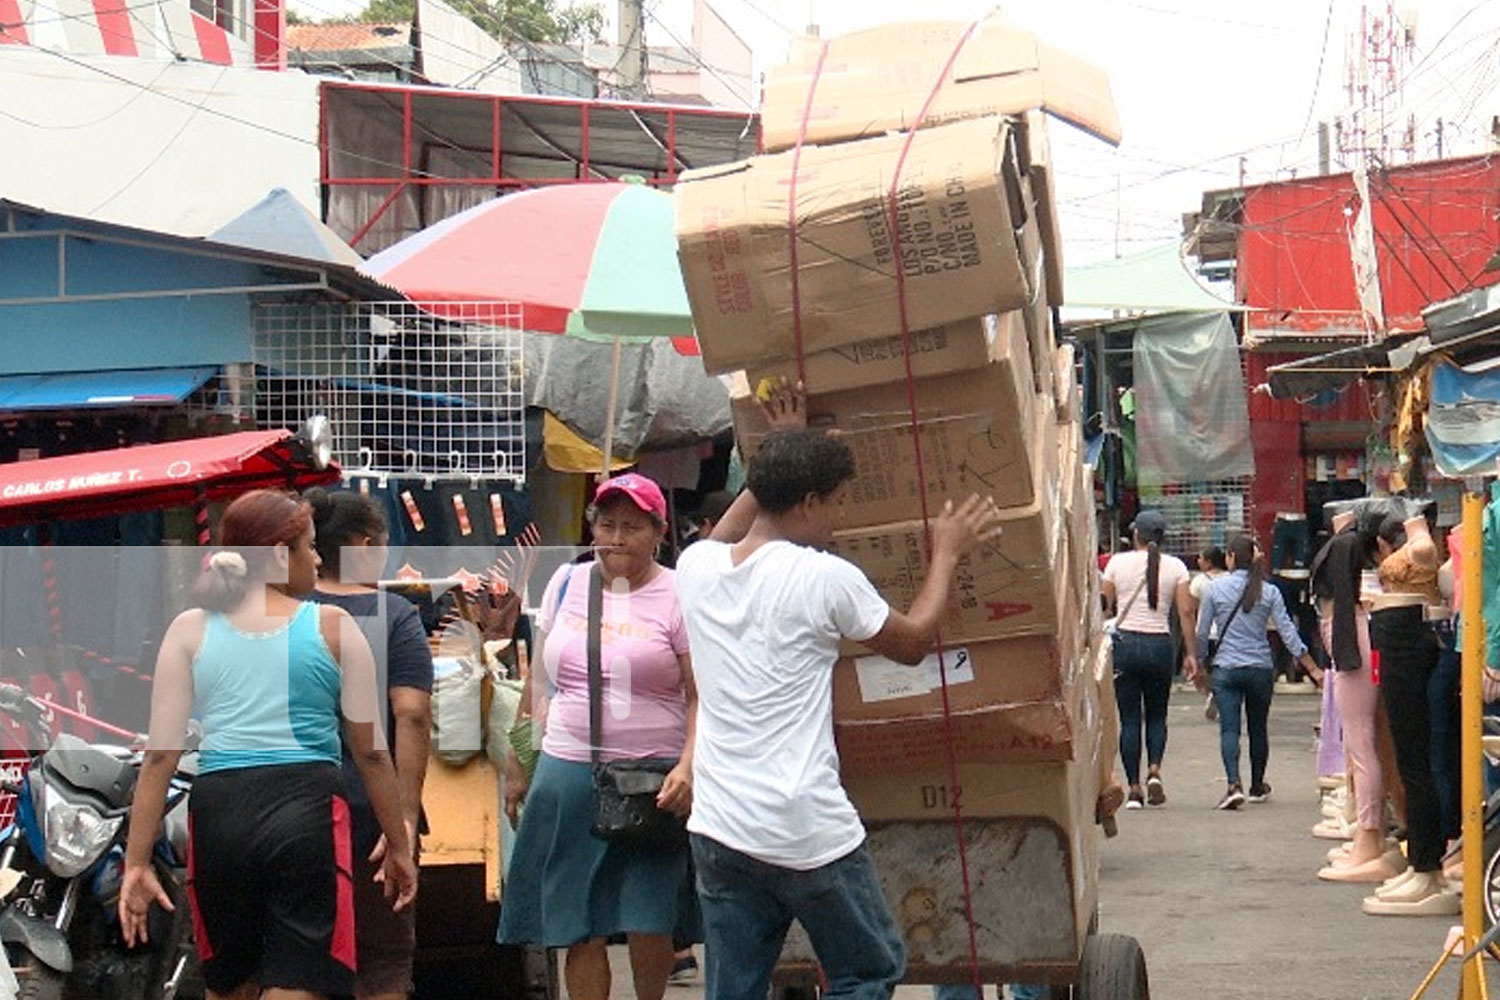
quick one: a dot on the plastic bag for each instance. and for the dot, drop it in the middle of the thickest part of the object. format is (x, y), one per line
(457, 709)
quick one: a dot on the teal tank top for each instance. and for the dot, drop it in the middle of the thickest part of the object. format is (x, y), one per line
(266, 698)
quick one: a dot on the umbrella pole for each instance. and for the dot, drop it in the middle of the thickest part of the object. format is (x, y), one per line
(609, 416)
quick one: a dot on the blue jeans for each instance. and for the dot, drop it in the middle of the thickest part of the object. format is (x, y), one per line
(748, 906)
(1018, 991)
(1251, 687)
(1143, 677)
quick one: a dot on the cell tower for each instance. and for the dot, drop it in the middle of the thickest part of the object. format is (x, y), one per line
(1377, 129)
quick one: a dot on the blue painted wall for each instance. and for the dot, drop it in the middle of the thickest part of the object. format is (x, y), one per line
(191, 329)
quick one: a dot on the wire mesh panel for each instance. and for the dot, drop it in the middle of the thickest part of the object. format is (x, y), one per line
(1201, 514)
(431, 389)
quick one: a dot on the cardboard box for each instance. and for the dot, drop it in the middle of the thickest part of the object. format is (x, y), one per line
(875, 81)
(1037, 318)
(1009, 700)
(1067, 394)
(1036, 161)
(1005, 587)
(981, 431)
(1078, 513)
(953, 347)
(967, 233)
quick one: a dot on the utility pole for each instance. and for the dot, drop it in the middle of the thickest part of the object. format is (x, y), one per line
(1440, 138)
(1323, 147)
(632, 69)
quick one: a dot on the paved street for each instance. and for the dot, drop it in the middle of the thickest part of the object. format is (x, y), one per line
(1228, 905)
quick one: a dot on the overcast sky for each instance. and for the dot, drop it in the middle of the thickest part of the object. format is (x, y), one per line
(1198, 84)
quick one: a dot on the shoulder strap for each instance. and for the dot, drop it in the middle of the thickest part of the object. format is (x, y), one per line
(596, 669)
(1233, 611)
(1131, 602)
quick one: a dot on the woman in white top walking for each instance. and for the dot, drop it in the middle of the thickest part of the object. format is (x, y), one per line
(1139, 588)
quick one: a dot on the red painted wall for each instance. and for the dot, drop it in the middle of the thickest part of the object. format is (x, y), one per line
(1435, 226)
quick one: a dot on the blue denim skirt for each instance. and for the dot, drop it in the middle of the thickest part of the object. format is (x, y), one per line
(564, 885)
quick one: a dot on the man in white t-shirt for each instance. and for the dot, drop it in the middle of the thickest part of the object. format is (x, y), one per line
(774, 836)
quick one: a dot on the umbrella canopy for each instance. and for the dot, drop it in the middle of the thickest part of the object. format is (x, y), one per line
(596, 260)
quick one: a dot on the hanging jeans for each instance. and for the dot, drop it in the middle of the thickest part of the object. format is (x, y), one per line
(1408, 657)
(1143, 685)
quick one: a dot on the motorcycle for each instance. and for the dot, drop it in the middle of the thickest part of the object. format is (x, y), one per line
(62, 860)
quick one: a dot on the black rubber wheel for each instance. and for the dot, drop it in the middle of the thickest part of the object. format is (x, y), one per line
(1113, 967)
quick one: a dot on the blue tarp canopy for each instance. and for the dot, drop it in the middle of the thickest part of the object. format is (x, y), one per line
(1463, 421)
(84, 390)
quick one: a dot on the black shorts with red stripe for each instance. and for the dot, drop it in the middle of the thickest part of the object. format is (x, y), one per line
(270, 878)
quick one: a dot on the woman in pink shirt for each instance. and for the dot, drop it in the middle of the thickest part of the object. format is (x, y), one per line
(1140, 588)
(566, 888)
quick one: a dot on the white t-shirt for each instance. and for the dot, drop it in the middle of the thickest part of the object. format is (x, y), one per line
(1127, 571)
(764, 636)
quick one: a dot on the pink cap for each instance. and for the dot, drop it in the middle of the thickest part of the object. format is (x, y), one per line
(642, 492)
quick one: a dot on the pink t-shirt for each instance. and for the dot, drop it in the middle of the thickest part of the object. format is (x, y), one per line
(1127, 571)
(645, 713)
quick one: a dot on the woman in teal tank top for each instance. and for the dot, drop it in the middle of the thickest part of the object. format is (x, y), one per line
(275, 681)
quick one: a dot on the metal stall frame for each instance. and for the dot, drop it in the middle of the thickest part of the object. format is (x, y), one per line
(589, 140)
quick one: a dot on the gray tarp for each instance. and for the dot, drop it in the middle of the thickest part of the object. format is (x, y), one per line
(1192, 421)
(666, 401)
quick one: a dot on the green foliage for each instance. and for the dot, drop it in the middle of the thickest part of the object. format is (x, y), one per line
(531, 20)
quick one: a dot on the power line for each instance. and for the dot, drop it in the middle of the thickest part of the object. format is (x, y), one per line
(165, 146)
(698, 59)
(97, 121)
(1312, 99)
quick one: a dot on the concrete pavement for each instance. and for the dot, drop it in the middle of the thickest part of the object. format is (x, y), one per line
(1227, 905)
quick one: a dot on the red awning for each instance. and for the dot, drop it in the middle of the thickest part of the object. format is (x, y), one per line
(151, 477)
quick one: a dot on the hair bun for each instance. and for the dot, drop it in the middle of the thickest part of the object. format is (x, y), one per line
(231, 563)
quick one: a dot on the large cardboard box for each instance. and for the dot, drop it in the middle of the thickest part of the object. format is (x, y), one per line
(968, 236)
(952, 347)
(1005, 587)
(981, 431)
(878, 80)
(1060, 793)
(1011, 700)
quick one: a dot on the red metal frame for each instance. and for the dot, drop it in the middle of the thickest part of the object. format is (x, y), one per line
(495, 178)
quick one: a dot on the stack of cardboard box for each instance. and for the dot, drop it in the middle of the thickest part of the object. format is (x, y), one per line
(995, 403)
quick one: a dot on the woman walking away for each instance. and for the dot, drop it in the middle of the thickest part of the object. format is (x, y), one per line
(1211, 566)
(269, 855)
(1238, 607)
(1140, 587)
(566, 887)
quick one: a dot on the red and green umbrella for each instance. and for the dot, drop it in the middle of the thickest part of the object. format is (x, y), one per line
(592, 260)
(596, 261)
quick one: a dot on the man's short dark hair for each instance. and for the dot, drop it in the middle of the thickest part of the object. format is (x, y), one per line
(792, 464)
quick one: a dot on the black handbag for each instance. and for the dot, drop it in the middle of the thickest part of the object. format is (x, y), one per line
(625, 809)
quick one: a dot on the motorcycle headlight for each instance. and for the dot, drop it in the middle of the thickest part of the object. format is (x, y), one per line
(76, 835)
